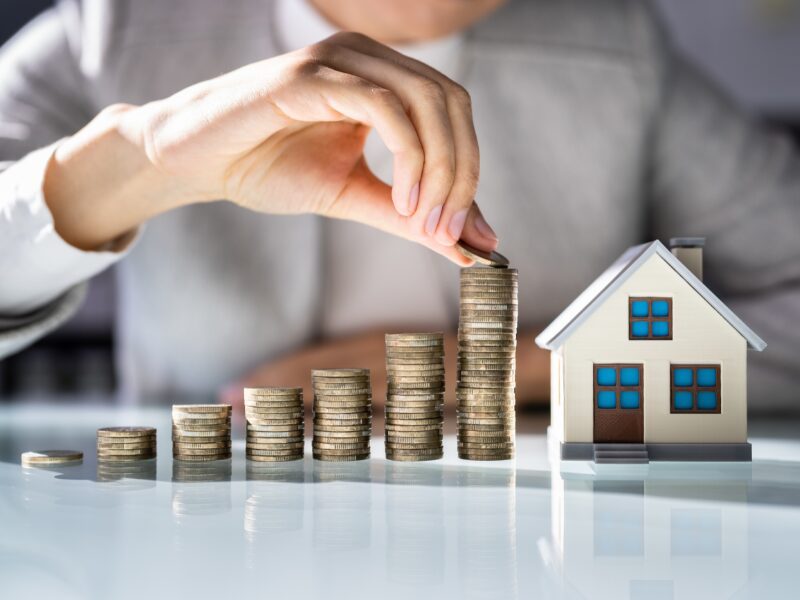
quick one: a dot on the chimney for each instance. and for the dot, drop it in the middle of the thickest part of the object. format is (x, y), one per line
(689, 250)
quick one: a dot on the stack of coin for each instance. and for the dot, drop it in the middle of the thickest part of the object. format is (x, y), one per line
(201, 432)
(487, 342)
(51, 458)
(123, 444)
(342, 414)
(415, 396)
(275, 423)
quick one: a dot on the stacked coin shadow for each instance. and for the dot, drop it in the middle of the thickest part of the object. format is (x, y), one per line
(201, 432)
(414, 396)
(275, 423)
(487, 343)
(126, 444)
(342, 414)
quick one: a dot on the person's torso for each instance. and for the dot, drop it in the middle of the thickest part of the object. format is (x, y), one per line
(561, 109)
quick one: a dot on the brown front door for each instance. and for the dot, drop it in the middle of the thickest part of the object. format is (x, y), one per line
(618, 403)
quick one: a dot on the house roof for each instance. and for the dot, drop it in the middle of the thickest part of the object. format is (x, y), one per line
(601, 288)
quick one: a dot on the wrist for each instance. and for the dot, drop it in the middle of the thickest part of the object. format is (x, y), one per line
(100, 183)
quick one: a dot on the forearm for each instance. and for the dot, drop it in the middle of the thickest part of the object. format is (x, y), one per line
(100, 183)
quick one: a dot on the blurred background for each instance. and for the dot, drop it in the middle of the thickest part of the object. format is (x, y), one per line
(750, 47)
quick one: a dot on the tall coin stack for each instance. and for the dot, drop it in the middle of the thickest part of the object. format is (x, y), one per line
(123, 444)
(201, 432)
(487, 343)
(275, 423)
(415, 396)
(342, 414)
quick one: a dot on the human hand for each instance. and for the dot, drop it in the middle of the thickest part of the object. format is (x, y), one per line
(286, 136)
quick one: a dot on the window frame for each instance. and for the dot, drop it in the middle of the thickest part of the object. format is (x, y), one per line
(649, 319)
(694, 388)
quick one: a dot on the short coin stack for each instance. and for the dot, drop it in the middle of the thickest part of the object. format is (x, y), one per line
(342, 414)
(124, 444)
(415, 396)
(487, 342)
(201, 432)
(51, 458)
(275, 423)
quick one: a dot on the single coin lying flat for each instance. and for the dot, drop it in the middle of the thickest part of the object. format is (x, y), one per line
(40, 458)
(490, 259)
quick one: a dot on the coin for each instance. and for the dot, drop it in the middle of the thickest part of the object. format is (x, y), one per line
(340, 458)
(493, 259)
(126, 432)
(201, 408)
(50, 457)
(195, 458)
(273, 391)
(340, 373)
(286, 458)
(217, 445)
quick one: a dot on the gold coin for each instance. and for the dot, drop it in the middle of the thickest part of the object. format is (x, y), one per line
(492, 259)
(127, 443)
(125, 451)
(340, 373)
(340, 458)
(275, 434)
(412, 458)
(198, 458)
(203, 443)
(201, 408)
(292, 457)
(337, 446)
(273, 391)
(253, 427)
(50, 457)
(126, 432)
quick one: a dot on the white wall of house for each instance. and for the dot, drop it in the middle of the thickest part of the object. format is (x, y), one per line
(700, 336)
(557, 392)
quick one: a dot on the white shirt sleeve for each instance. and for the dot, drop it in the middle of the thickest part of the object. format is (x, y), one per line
(36, 264)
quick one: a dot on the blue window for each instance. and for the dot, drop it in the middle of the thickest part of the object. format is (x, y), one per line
(660, 328)
(706, 400)
(618, 386)
(706, 377)
(650, 318)
(682, 377)
(607, 376)
(629, 376)
(606, 399)
(660, 308)
(640, 308)
(629, 399)
(682, 400)
(695, 389)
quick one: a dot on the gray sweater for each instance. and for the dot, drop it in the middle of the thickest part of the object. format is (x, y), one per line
(594, 136)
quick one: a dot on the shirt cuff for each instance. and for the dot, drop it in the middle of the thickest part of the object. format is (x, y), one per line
(36, 264)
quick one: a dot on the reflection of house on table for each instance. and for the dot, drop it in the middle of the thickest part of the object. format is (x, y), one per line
(647, 363)
(666, 533)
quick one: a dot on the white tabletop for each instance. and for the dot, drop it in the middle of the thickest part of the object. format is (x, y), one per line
(450, 528)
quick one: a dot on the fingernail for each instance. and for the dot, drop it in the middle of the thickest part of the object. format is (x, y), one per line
(433, 220)
(483, 228)
(413, 198)
(456, 225)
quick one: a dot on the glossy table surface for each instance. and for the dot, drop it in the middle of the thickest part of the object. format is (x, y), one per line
(375, 529)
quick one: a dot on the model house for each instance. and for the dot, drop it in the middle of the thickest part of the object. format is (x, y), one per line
(648, 364)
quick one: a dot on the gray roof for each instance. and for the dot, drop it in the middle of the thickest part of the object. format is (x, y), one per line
(593, 296)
